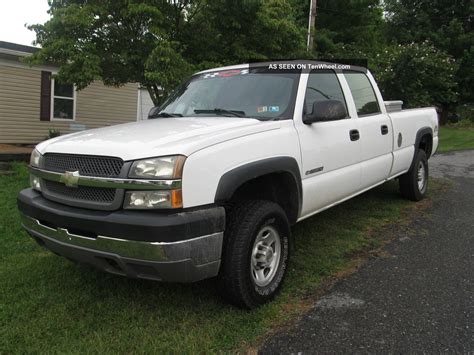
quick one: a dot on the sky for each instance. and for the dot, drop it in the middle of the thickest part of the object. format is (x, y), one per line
(13, 16)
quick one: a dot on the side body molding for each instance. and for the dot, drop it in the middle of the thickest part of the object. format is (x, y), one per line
(234, 178)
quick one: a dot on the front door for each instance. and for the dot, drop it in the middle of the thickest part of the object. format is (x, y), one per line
(330, 150)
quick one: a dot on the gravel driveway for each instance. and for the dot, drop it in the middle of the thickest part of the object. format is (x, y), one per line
(418, 299)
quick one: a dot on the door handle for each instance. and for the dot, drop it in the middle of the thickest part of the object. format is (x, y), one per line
(384, 130)
(354, 134)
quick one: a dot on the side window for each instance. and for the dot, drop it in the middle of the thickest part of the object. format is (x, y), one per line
(322, 85)
(363, 93)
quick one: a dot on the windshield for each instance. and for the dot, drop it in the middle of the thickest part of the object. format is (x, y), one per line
(255, 93)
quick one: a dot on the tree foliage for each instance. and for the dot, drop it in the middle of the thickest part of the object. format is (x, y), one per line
(229, 32)
(344, 28)
(352, 23)
(447, 24)
(158, 42)
(417, 73)
(421, 51)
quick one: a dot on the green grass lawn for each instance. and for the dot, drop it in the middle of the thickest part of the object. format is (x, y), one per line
(49, 304)
(452, 138)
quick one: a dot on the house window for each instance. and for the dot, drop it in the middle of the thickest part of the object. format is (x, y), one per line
(63, 101)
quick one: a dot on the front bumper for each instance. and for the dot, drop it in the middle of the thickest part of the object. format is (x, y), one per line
(150, 252)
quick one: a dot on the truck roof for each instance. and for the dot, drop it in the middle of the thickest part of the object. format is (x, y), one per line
(246, 65)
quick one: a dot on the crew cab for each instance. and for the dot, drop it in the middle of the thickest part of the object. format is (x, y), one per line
(210, 185)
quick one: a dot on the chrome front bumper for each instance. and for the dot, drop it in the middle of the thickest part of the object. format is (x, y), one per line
(181, 261)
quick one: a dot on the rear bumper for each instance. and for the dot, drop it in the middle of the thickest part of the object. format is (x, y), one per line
(154, 253)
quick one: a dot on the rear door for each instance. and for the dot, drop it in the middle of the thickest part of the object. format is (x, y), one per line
(330, 150)
(375, 127)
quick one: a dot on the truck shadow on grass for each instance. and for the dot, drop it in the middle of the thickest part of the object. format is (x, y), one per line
(51, 304)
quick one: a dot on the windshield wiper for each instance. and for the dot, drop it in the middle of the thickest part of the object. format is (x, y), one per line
(222, 111)
(165, 114)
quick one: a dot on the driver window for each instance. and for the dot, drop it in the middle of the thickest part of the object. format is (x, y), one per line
(322, 85)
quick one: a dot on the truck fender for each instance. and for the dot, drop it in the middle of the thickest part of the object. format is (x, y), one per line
(233, 179)
(419, 135)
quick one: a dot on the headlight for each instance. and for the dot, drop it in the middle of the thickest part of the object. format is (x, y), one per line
(153, 199)
(35, 159)
(158, 168)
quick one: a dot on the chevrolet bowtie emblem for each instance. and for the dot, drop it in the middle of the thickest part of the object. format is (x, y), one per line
(70, 178)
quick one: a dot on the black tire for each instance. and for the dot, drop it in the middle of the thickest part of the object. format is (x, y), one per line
(409, 182)
(246, 221)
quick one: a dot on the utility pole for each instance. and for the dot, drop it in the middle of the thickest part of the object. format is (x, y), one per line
(311, 22)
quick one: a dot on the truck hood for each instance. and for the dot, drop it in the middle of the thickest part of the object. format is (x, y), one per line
(156, 137)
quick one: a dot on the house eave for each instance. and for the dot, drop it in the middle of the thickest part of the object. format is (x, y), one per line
(15, 53)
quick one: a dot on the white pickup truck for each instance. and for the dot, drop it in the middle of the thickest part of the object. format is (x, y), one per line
(211, 183)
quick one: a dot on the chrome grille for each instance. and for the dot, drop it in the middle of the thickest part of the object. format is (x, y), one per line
(83, 193)
(87, 165)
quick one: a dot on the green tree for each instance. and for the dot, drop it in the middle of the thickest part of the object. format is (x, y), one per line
(447, 24)
(417, 73)
(344, 28)
(233, 31)
(116, 41)
(354, 23)
(158, 42)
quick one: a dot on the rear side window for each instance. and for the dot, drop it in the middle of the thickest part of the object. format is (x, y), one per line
(322, 85)
(363, 93)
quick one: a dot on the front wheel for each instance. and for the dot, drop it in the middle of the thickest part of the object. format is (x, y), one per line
(255, 255)
(414, 184)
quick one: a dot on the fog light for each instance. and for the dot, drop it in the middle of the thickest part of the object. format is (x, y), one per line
(153, 199)
(35, 182)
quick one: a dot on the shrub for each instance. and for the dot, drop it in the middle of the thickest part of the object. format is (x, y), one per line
(417, 73)
(465, 124)
(52, 133)
(466, 112)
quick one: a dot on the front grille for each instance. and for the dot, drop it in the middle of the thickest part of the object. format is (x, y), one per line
(82, 193)
(87, 165)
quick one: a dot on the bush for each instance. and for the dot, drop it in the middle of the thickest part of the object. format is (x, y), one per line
(417, 73)
(52, 133)
(466, 112)
(465, 123)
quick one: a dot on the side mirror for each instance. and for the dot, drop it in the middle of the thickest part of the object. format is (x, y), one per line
(328, 110)
(154, 110)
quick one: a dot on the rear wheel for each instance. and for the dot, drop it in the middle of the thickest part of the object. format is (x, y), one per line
(414, 184)
(255, 254)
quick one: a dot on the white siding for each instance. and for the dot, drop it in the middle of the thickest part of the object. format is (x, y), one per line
(145, 104)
